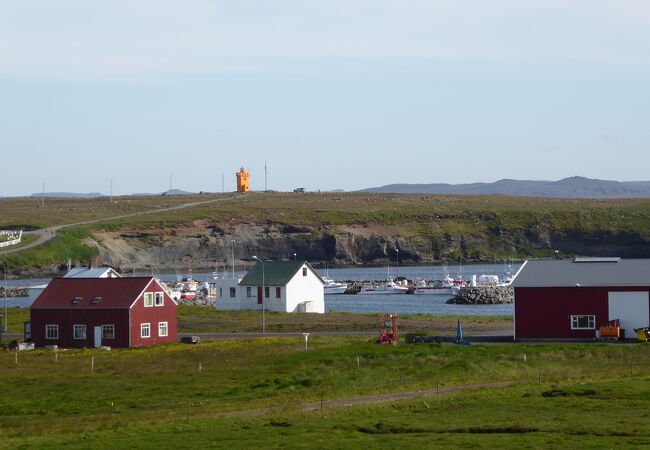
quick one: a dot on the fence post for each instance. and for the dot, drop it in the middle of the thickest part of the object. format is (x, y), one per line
(16, 357)
(92, 363)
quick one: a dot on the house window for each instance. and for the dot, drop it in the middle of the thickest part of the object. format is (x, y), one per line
(159, 299)
(79, 331)
(304, 271)
(108, 331)
(233, 292)
(148, 299)
(586, 322)
(220, 292)
(145, 330)
(162, 329)
(249, 291)
(278, 292)
(267, 292)
(51, 331)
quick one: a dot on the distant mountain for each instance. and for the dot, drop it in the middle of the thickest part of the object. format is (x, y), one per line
(68, 195)
(572, 187)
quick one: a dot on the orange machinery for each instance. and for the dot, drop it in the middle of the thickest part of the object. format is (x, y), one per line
(610, 330)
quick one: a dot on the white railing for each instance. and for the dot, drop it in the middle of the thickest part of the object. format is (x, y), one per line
(10, 237)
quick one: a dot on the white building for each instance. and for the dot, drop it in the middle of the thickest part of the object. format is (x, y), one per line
(284, 286)
(227, 293)
(92, 272)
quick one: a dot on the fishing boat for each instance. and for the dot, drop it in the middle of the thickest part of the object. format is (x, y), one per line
(333, 287)
(389, 287)
(445, 287)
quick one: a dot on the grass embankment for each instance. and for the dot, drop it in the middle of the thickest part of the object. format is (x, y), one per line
(68, 244)
(236, 392)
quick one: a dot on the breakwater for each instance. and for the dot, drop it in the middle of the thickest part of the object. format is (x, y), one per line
(484, 295)
(14, 292)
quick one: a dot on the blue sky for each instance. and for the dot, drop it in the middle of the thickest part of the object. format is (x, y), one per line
(338, 94)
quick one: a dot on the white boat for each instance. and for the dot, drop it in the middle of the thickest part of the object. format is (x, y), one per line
(446, 287)
(385, 288)
(333, 287)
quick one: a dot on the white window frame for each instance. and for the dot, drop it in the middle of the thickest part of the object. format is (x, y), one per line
(278, 293)
(162, 325)
(233, 292)
(575, 321)
(249, 291)
(161, 296)
(148, 299)
(143, 327)
(105, 329)
(79, 326)
(51, 327)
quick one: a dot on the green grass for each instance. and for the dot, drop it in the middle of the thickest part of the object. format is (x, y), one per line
(595, 391)
(68, 244)
(197, 319)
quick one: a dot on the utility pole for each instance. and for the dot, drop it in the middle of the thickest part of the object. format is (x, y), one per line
(265, 173)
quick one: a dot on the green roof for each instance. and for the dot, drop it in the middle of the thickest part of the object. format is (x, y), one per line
(276, 273)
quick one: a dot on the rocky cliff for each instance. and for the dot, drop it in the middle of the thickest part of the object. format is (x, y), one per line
(207, 244)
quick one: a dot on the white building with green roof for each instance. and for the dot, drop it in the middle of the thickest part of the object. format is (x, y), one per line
(283, 286)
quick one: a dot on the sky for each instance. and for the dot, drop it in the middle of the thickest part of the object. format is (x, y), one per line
(331, 94)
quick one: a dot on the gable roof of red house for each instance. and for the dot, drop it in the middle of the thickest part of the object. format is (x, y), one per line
(91, 293)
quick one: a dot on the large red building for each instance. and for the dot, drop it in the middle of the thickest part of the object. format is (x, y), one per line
(116, 312)
(570, 299)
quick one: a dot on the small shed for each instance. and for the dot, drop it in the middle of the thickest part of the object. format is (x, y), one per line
(285, 286)
(91, 312)
(570, 299)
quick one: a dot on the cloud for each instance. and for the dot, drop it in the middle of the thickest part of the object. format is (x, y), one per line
(79, 39)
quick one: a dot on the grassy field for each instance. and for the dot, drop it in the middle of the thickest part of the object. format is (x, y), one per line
(228, 394)
(193, 319)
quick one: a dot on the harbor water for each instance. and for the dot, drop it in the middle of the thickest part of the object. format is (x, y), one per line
(375, 303)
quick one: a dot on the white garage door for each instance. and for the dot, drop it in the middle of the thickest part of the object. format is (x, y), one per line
(631, 308)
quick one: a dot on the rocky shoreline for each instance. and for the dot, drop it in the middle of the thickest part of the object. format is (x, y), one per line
(484, 295)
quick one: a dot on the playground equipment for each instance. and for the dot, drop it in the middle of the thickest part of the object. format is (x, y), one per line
(388, 329)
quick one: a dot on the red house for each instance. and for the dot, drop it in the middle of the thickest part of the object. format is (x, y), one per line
(571, 299)
(90, 312)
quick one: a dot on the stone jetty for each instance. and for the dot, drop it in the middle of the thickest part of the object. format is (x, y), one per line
(484, 295)
(14, 292)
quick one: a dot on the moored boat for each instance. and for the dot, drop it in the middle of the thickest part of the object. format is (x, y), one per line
(386, 288)
(332, 287)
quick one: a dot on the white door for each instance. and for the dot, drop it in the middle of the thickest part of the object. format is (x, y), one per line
(631, 308)
(98, 337)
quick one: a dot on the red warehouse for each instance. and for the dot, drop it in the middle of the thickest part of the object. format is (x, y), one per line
(90, 312)
(571, 299)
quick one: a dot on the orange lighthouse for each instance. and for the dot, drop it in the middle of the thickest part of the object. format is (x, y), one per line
(243, 180)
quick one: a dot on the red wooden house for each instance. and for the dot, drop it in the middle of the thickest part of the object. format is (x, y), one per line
(571, 299)
(117, 312)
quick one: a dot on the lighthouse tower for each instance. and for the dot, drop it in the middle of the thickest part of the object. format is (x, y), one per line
(243, 180)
